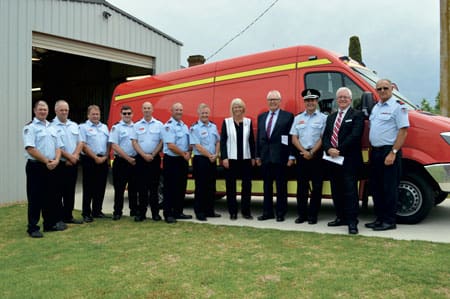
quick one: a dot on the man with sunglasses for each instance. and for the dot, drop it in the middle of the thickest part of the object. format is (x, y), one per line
(388, 129)
(123, 170)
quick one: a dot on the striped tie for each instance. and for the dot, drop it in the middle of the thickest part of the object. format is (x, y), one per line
(269, 125)
(337, 126)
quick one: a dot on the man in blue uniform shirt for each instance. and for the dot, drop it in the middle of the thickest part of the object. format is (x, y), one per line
(147, 142)
(177, 154)
(95, 158)
(69, 134)
(307, 130)
(123, 170)
(42, 151)
(388, 129)
(205, 140)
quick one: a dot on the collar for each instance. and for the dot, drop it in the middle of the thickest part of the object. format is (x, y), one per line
(37, 121)
(91, 124)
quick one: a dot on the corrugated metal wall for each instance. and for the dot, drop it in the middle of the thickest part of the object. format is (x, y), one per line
(71, 19)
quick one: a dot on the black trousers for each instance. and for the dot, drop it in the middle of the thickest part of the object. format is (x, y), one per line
(309, 171)
(205, 185)
(41, 195)
(67, 180)
(344, 190)
(384, 182)
(175, 171)
(94, 184)
(124, 173)
(148, 174)
(274, 172)
(239, 169)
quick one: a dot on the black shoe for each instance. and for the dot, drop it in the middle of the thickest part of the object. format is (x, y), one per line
(247, 216)
(385, 226)
(183, 216)
(54, 228)
(213, 215)
(100, 215)
(337, 222)
(36, 234)
(200, 217)
(74, 221)
(233, 216)
(299, 220)
(373, 224)
(156, 217)
(353, 229)
(87, 219)
(312, 221)
(116, 217)
(170, 219)
(265, 217)
(139, 218)
(280, 218)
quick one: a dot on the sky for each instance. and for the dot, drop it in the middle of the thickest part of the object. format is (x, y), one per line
(399, 39)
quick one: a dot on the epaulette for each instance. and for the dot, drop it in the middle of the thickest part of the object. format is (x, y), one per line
(299, 113)
(116, 123)
(28, 123)
(400, 102)
(169, 121)
(194, 124)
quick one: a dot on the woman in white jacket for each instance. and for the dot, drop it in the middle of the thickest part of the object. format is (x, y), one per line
(237, 148)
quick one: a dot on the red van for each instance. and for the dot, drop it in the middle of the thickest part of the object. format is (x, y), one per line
(426, 152)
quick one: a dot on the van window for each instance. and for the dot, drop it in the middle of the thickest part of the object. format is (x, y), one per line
(328, 83)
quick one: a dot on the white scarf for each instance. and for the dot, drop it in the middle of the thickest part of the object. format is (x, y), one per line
(231, 141)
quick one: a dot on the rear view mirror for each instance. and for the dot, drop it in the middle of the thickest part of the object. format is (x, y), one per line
(367, 103)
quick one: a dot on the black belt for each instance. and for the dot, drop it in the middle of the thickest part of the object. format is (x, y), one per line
(382, 148)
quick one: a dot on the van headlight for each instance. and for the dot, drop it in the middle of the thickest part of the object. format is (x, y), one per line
(446, 136)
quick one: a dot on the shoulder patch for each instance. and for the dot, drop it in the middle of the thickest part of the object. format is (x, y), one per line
(169, 122)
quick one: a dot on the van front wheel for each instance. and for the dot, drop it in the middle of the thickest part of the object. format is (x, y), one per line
(415, 199)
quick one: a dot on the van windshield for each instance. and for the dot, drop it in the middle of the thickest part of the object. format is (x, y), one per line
(371, 77)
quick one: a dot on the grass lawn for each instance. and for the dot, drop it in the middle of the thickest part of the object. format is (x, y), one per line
(124, 259)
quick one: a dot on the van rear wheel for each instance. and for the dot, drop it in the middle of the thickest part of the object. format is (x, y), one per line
(415, 199)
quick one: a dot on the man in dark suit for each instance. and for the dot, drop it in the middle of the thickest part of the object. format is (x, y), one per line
(342, 139)
(273, 147)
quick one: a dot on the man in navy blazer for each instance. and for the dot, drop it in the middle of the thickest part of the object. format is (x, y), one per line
(273, 148)
(344, 140)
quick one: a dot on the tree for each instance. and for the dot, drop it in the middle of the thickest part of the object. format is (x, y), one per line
(354, 49)
(425, 106)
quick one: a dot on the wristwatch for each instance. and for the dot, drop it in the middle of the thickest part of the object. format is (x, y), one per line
(394, 151)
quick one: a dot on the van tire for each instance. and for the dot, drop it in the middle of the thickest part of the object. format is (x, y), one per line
(415, 199)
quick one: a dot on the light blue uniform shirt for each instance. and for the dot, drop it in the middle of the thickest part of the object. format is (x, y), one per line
(41, 136)
(309, 128)
(69, 134)
(175, 132)
(385, 121)
(206, 135)
(147, 134)
(95, 136)
(121, 135)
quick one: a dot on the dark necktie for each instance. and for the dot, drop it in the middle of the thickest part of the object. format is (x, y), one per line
(337, 126)
(269, 125)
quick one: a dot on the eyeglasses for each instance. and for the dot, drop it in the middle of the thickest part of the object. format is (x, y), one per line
(382, 88)
(127, 113)
(270, 100)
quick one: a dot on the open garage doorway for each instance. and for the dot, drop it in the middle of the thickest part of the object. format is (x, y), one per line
(82, 81)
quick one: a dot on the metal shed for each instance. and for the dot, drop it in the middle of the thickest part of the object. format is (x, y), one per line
(81, 50)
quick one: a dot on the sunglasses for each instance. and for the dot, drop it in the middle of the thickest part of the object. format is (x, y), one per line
(127, 113)
(382, 88)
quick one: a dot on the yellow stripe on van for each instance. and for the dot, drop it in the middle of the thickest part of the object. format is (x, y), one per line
(266, 70)
(256, 72)
(309, 63)
(165, 88)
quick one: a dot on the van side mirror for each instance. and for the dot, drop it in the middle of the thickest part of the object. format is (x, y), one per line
(367, 103)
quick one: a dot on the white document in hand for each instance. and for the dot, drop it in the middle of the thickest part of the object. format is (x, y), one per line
(338, 160)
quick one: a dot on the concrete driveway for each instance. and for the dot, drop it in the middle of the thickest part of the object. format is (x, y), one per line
(435, 228)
